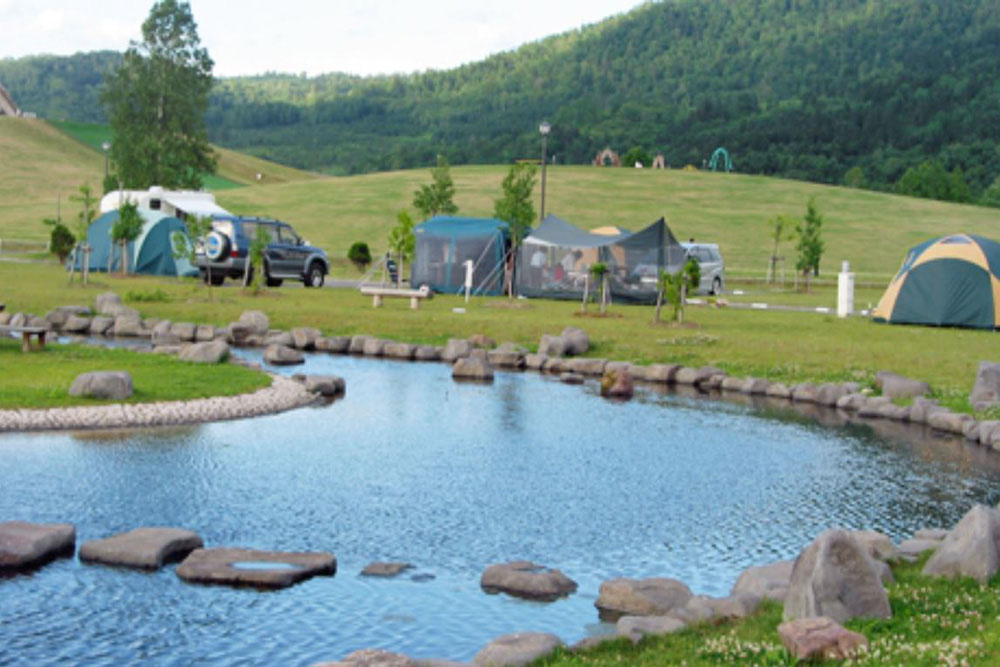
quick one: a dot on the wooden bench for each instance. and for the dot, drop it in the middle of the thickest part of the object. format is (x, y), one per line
(26, 334)
(414, 295)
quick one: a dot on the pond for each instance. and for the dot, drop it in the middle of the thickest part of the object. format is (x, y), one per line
(451, 477)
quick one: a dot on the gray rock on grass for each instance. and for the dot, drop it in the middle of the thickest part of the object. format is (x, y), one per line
(834, 576)
(895, 386)
(971, 549)
(575, 341)
(637, 627)
(986, 389)
(108, 385)
(516, 650)
(820, 638)
(768, 581)
(212, 352)
(655, 596)
(144, 548)
(456, 348)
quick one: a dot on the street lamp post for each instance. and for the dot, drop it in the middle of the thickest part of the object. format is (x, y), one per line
(106, 147)
(544, 129)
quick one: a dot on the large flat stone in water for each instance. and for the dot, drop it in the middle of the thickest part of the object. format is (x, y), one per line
(147, 548)
(26, 545)
(260, 569)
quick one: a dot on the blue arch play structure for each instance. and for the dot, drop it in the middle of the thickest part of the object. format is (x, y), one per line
(727, 163)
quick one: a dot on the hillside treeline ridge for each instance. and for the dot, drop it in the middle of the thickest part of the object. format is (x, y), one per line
(805, 89)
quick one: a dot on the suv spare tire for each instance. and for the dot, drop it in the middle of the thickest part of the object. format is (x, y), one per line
(216, 246)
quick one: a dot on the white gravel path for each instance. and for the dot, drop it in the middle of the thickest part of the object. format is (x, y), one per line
(283, 394)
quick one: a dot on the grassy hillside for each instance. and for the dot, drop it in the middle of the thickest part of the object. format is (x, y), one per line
(870, 229)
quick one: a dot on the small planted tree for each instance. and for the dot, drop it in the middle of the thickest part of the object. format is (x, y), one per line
(88, 204)
(600, 271)
(781, 229)
(436, 197)
(516, 208)
(674, 287)
(186, 245)
(402, 242)
(258, 247)
(360, 255)
(126, 229)
(61, 240)
(810, 245)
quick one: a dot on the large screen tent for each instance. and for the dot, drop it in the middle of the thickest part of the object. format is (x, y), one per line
(554, 261)
(445, 243)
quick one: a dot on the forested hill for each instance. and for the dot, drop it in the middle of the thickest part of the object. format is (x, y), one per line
(799, 88)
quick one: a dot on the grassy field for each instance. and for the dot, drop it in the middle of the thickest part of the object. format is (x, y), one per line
(787, 346)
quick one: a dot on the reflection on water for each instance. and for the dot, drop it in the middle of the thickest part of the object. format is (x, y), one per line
(413, 467)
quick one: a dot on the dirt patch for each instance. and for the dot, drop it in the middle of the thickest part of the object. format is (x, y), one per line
(580, 313)
(669, 324)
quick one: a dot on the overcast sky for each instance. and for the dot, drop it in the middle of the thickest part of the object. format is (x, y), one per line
(357, 36)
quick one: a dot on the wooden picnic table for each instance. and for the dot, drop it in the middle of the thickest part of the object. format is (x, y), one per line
(26, 334)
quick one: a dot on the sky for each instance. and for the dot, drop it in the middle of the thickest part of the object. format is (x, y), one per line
(312, 37)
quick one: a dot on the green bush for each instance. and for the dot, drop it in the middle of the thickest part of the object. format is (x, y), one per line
(61, 241)
(360, 255)
(152, 296)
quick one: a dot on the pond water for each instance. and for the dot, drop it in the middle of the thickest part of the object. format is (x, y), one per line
(414, 467)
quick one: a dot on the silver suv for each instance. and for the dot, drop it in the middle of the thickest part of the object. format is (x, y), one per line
(227, 250)
(713, 269)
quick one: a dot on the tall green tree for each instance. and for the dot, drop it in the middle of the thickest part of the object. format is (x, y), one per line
(402, 242)
(810, 245)
(517, 209)
(436, 197)
(88, 209)
(156, 103)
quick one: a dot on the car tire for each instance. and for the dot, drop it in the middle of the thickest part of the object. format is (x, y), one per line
(315, 275)
(716, 287)
(216, 246)
(218, 279)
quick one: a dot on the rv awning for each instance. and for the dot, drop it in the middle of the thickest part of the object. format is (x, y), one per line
(196, 204)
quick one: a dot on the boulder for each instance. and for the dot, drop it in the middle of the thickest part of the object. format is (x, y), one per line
(204, 333)
(101, 325)
(394, 350)
(835, 577)
(851, 402)
(384, 569)
(482, 341)
(551, 346)
(145, 548)
(56, 318)
(637, 627)
(325, 385)
(427, 353)
(249, 567)
(516, 649)
(617, 384)
(804, 393)
(535, 362)
(107, 303)
(373, 657)
(374, 347)
(661, 372)
(185, 331)
(778, 390)
(557, 365)
(524, 579)
(829, 393)
(505, 359)
(738, 605)
(733, 384)
(931, 534)
(892, 411)
(767, 581)
(685, 375)
(987, 429)
(255, 322)
(922, 408)
(334, 344)
(472, 368)
(972, 548)
(913, 548)
(897, 386)
(640, 597)
(279, 338)
(755, 386)
(820, 638)
(212, 352)
(39, 322)
(5, 317)
(304, 338)
(76, 324)
(575, 341)
(280, 355)
(110, 385)
(18, 320)
(873, 405)
(571, 378)
(877, 545)
(456, 348)
(24, 545)
(986, 389)
(950, 422)
(127, 325)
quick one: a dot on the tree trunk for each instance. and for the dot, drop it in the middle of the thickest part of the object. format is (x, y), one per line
(604, 295)
(681, 302)
(586, 292)
(659, 304)
(86, 263)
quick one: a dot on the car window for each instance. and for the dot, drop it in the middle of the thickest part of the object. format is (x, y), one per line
(224, 226)
(249, 229)
(716, 257)
(287, 235)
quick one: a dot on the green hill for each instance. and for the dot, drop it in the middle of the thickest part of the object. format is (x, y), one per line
(804, 89)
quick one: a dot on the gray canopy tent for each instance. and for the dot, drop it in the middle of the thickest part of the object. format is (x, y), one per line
(555, 259)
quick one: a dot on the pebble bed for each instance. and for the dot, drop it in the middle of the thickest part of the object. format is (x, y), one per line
(283, 394)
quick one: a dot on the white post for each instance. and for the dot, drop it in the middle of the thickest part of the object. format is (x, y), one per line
(468, 278)
(845, 290)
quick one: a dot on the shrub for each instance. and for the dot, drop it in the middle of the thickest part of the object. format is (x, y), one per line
(61, 241)
(152, 296)
(360, 255)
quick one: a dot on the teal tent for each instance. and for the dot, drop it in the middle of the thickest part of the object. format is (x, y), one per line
(445, 243)
(151, 253)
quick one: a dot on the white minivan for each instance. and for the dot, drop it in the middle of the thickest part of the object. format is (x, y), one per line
(713, 269)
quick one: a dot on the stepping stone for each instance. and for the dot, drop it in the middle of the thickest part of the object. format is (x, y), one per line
(526, 580)
(146, 548)
(26, 545)
(259, 569)
(380, 569)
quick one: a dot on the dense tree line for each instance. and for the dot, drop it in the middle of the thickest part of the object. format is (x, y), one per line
(808, 89)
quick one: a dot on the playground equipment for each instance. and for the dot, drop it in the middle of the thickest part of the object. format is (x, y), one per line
(727, 164)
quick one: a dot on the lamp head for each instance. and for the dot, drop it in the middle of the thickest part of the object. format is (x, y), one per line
(544, 128)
